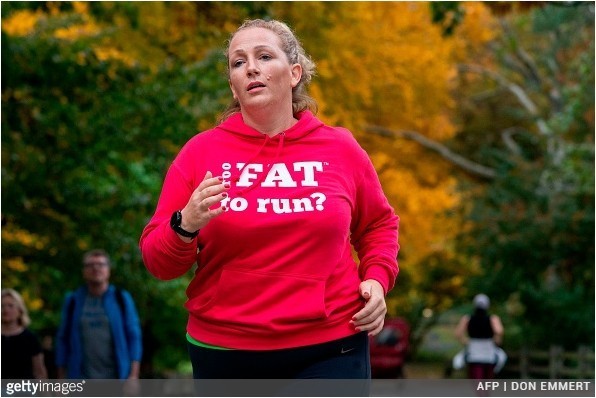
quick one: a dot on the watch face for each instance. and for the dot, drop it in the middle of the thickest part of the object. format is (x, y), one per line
(175, 223)
(176, 219)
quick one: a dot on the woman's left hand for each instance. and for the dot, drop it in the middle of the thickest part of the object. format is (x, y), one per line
(372, 317)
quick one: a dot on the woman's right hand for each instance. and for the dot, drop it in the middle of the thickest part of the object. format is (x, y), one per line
(197, 213)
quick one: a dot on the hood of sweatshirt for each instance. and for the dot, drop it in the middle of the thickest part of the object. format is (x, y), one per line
(307, 123)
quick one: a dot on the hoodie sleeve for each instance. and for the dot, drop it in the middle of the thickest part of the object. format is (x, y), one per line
(374, 227)
(165, 255)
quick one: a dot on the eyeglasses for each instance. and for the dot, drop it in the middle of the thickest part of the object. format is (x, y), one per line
(96, 263)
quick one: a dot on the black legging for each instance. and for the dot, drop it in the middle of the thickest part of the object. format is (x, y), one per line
(347, 358)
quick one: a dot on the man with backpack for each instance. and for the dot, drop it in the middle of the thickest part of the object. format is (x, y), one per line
(100, 334)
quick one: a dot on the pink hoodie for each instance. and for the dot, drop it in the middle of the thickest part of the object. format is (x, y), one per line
(276, 270)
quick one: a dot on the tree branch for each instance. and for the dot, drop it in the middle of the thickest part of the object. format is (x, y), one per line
(516, 90)
(525, 58)
(466, 164)
(507, 136)
(531, 72)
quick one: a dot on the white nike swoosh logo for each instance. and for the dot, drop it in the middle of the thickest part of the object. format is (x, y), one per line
(344, 351)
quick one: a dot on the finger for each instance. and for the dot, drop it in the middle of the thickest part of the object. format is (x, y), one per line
(214, 191)
(216, 212)
(366, 291)
(198, 211)
(209, 181)
(375, 314)
(370, 307)
(363, 313)
(371, 326)
(376, 330)
(373, 287)
(368, 327)
(211, 201)
(211, 214)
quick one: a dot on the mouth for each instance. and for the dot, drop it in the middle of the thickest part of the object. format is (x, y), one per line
(254, 85)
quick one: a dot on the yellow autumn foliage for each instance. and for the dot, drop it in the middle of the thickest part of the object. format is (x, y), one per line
(32, 300)
(81, 7)
(387, 64)
(477, 28)
(15, 264)
(12, 234)
(87, 27)
(105, 53)
(74, 32)
(21, 23)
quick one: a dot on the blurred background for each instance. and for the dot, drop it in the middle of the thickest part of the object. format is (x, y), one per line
(479, 118)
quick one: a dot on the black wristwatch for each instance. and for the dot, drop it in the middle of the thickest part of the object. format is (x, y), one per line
(175, 223)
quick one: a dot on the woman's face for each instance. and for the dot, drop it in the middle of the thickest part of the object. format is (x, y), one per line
(260, 74)
(10, 310)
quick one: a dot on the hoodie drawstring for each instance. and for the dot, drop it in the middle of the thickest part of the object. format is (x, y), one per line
(280, 146)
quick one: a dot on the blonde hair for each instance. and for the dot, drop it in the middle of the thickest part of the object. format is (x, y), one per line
(24, 319)
(293, 49)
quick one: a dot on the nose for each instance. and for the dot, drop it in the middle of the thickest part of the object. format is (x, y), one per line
(252, 68)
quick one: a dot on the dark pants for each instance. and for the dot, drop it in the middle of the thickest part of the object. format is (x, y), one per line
(347, 358)
(479, 371)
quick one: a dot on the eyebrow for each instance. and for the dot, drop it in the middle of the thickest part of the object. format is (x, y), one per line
(256, 48)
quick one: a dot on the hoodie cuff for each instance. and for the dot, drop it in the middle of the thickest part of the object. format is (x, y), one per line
(381, 275)
(177, 244)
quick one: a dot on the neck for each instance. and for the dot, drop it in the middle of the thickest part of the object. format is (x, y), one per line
(269, 122)
(97, 289)
(11, 328)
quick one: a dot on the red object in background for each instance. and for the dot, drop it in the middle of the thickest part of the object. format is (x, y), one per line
(388, 349)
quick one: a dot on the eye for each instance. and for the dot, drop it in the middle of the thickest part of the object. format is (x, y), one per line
(265, 57)
(237, 63)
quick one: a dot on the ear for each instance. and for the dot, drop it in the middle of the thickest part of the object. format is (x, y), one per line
(233, 91)
(296, 74)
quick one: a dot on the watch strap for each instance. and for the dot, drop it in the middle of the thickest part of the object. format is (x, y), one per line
(175, 222)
